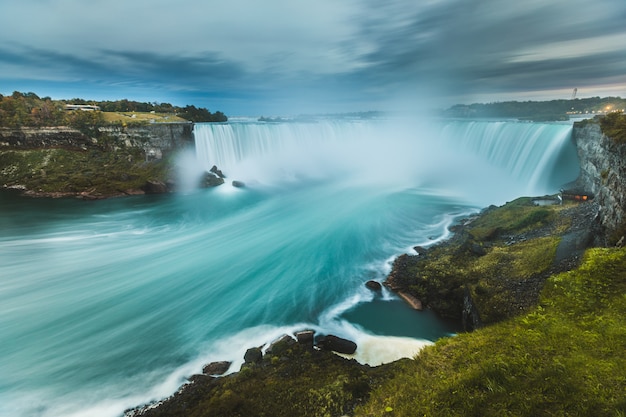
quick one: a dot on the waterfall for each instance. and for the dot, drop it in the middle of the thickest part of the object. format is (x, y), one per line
(492, 158)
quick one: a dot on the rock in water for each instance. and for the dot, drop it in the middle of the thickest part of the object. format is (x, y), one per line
(238, 184)
(374, 285)
(253, 355)
(306, 338)
(211, 180)
(217, 171)
(336, 344)
(216, 368)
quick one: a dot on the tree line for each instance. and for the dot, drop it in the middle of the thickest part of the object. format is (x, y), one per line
(537, 110)
(28, 109)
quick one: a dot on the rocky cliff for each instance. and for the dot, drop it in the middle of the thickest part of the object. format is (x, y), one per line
(115, 160)
(154, 140)
(603, 173)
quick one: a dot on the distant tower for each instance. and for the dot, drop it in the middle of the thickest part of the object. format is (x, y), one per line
(574, 93)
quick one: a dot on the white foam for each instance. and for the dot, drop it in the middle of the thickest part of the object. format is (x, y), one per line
(377, 350)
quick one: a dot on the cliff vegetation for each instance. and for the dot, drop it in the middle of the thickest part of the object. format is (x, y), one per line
(494, 266)
(564, 357)
(92, 173)
(28, 109)
(92, 149)
(538, 111)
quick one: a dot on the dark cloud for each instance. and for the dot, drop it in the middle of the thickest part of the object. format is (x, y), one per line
(362, 53)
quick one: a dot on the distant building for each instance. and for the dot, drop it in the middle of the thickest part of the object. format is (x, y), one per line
(84, 107)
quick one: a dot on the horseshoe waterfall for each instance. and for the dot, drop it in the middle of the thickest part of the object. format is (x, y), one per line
(111, 304)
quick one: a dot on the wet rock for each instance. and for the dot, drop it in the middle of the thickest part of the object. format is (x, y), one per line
(211, 180)
(238, 184)
(253, 355)
(278, 346)
(374, 285)
(420, 250)
(199, 378)
(217, 171)
(336, 344)
(306, 338)
(216, 368)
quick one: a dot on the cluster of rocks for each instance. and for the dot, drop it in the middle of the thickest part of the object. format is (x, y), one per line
(215, 177)
(304, 338)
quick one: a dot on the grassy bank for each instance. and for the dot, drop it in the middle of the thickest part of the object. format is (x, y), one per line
(566, 357)
(498, 260)
(140, 117)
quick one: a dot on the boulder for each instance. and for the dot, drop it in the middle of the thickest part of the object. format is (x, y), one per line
(238, 184)
(374, 285)
(336, 344)
(253, 355)
(216, 368)
(306, 338)
(281, 344)
(211, 180)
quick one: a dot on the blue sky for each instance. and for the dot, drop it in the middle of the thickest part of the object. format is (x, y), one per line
(285, 57)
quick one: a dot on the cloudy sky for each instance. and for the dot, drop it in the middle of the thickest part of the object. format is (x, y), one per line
(273, 57)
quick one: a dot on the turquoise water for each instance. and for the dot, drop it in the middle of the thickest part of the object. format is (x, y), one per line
(107, 305)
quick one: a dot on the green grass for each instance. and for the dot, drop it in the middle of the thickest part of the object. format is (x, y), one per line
(516, 216)
(567, 357)
(497, 259)
(141, 117)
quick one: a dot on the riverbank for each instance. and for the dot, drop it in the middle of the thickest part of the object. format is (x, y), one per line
(495, 264)
(297, 379)
(115, 161)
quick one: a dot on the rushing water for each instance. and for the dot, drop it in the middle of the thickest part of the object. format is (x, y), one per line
(107, 305)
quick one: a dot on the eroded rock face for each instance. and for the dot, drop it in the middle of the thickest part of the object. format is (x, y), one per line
(155, 187)
(602, 173)
(44, 137)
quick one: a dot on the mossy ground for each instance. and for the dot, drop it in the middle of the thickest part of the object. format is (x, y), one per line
(94, 171)
(294, 381)
(566, 357)
(499, 259)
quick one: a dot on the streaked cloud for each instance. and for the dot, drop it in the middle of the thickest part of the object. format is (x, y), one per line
(285, 56)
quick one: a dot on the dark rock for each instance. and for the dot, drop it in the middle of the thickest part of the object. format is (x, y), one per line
(238, 184)
(253, 355)
(199, 379)
(155, 187)
(374, 285)
(306, 338)
(336, 344)
(216, 368)
(420, 250)
(211, 180)
(278, 346)
(217, 171)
